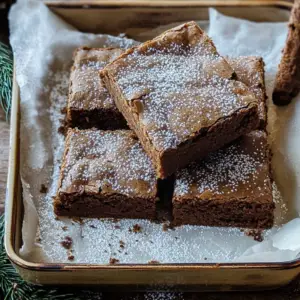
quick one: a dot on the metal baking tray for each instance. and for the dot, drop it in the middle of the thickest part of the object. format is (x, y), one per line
(133, 17)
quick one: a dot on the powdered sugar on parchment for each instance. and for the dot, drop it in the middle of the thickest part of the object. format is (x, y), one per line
(226, 170)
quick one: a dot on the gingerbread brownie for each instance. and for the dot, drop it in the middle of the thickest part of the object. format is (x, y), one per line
(287, 83)
(177, 93)
(230, 187)
(250, 71)
(106, 174)
(89, 103)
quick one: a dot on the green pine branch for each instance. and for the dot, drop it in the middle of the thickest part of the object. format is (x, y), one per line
(6, 75)
(13, 287)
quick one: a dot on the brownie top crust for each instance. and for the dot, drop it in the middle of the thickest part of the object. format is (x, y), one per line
(240, 171)
(86, 90)
(178, 85)
(250, 71)
(106, 162)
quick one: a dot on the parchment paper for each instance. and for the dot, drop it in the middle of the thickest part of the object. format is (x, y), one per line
(43, 46)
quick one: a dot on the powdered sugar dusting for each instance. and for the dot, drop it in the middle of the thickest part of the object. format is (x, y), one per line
(181, 88)
(87, 91)
(250, 71)
(227, 170)
(112, 160)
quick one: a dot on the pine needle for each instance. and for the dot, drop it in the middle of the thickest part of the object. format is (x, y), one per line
(13, 287)
(6, 75)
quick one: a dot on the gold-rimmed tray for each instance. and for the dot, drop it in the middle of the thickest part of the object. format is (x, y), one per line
(130, 19)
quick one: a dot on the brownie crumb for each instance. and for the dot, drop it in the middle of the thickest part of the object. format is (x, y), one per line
(92, 226)
(64, 228)
(153, 262)
(38, 240)
(67, 242)
(113, 261)
(43, 189)
(136, 228)
(117, 227)
(168, 226)
(205, 258)
(71, 257)
(255, 233)
(64, 110)
(122, 244)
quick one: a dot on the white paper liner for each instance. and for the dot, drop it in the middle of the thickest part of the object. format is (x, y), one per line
(43, 46)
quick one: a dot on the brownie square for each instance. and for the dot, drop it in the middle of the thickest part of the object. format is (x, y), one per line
(287, 81)
(231, 187)
(105, 174)
(89, 103)
(250, 71)
(177, 93)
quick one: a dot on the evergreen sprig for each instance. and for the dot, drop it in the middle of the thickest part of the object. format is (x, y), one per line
(6, 75)
(13, 287)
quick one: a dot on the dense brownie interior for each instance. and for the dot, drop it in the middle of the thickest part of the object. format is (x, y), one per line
(89, 103)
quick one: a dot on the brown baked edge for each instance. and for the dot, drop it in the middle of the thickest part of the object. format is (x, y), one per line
(232, 213)
(287, 82)
(263, 107)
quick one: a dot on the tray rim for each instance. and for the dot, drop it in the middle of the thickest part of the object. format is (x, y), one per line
(11, 207)
(164, 3)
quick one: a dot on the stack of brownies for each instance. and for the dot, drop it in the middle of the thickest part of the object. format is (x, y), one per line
(170, 113)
